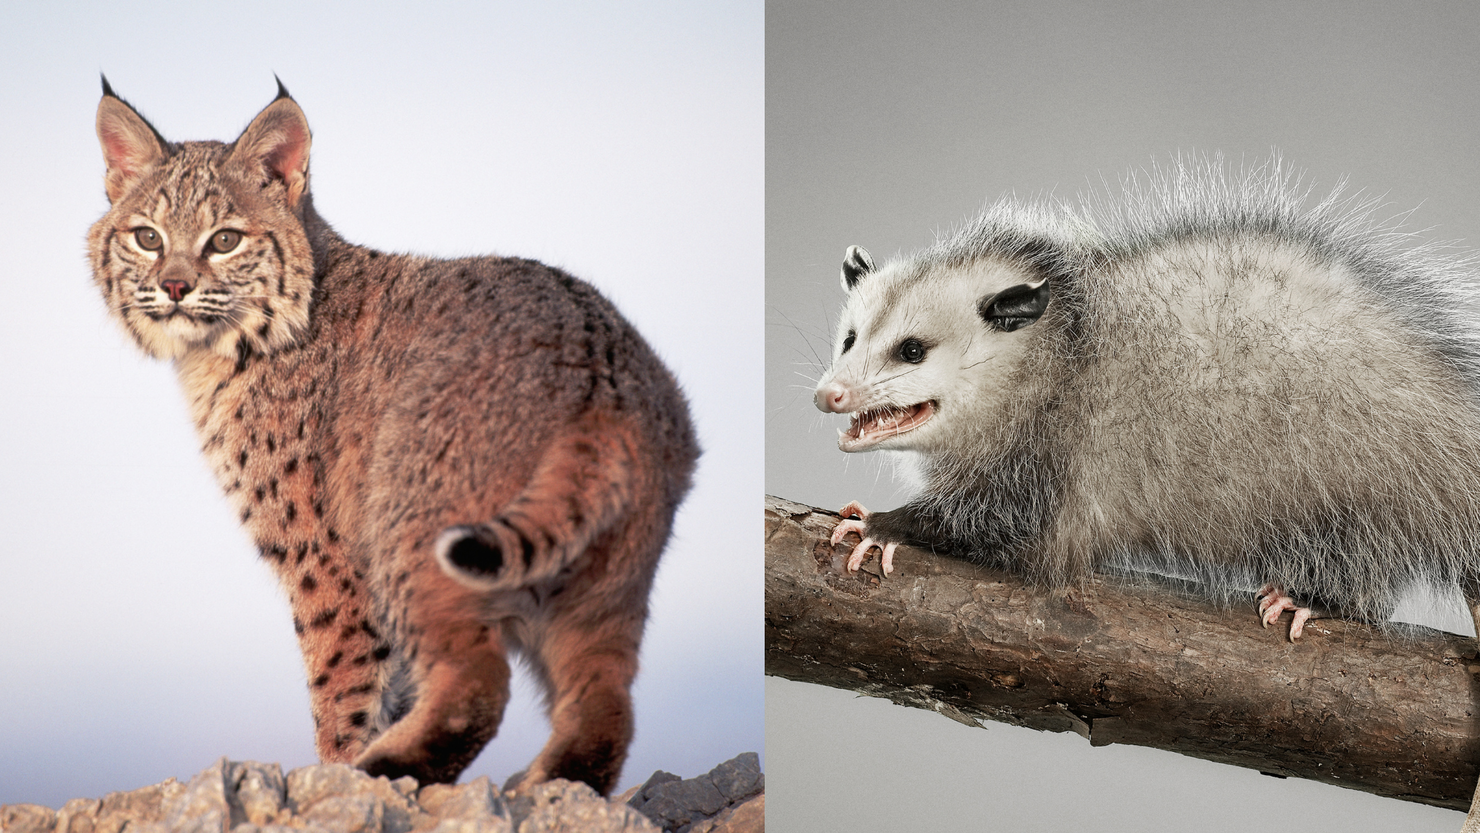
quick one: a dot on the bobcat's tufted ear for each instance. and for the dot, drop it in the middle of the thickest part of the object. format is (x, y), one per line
(131, 146)
(276, 143)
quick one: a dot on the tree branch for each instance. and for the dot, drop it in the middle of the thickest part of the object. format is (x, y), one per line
(1126, 660)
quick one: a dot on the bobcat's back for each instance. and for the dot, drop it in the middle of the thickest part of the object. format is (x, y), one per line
(442, 459)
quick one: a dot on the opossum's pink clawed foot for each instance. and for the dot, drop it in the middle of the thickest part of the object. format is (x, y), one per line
(1273, 601)
(854, 516)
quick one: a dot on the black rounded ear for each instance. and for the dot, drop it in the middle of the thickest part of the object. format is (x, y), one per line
(856, 264)
(1014, 307)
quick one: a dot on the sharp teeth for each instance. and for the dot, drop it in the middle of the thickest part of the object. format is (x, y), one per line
(875, 420)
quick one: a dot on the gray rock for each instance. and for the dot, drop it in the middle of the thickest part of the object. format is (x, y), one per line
(483, 825)
(748, 816)
(475, 799)
(739, 778)
(474, 807)
(356, 813)
(138, 811)
(640, 796)
(203, 807)
(405, 786)
(78, 816)
(248, 797)
(688, 805)
(677, 803)
(309, 785)
(259, 793)
(27, 818)
(562, 805)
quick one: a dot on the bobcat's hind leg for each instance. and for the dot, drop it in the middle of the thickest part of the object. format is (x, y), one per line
(460, 676)
(584, 649)
(587, 665)
(583, 483)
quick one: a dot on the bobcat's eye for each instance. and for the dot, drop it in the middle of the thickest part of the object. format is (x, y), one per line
(224, 241)
(148, 239)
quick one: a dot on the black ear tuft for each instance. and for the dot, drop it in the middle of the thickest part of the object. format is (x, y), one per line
(856, 264)
(1014, 307)
(109, 93)
(282, 91)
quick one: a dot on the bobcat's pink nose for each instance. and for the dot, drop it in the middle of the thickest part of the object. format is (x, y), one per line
(175, 288)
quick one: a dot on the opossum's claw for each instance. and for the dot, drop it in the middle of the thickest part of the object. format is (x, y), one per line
(1297, 623)
(854, 516)
(1273, 601)
(860, 553)
(844, 527)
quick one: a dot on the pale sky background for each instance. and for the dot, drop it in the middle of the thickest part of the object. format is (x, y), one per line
(886, 122)
(140, 637)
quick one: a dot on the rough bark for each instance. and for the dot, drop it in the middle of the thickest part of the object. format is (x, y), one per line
(1126, 660)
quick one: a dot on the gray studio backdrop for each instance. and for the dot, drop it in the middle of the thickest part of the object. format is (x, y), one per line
(886, 123)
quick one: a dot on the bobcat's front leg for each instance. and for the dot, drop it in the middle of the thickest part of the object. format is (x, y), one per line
(343, 660)
(343, 649)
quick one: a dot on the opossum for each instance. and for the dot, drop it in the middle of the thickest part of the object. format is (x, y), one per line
(1209, 371)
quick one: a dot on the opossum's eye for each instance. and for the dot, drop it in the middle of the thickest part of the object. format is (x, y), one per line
(911, 350)
(848, 340)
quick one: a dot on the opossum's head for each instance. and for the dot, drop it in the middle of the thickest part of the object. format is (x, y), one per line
(927, 348)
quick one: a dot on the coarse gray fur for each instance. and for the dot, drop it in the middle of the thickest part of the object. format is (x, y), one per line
(1228, 379)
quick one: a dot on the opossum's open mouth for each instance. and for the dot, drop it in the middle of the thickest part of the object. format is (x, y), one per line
(876, 425)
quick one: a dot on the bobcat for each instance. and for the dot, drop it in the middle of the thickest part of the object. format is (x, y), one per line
(442, 460)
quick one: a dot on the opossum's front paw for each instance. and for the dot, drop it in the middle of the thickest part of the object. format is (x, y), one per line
(1273, 601)
(854, 516)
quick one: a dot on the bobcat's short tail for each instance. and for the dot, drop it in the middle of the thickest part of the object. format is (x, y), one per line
(586, 480)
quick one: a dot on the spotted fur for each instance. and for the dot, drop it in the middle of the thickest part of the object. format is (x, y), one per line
(443, 460)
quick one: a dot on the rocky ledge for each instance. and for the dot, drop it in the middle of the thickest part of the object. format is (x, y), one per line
(248, 797)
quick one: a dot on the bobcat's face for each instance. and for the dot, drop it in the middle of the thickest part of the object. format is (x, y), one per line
(202, 249)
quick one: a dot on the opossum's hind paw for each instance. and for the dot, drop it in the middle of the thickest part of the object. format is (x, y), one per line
(860, 552)
(1273, 601)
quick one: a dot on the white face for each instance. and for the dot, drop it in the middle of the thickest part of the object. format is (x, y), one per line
(914, 356)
